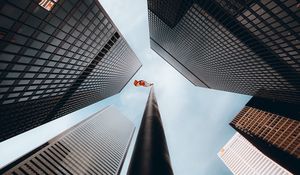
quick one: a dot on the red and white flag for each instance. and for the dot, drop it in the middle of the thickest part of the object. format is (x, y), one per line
(142, 83)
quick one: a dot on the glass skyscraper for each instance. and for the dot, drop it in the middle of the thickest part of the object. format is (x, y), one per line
(57, 57)
(97, 145)
(248, 47)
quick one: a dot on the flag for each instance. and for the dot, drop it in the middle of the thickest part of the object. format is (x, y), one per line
(142, 83)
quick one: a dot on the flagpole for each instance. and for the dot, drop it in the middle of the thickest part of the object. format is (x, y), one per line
(151, 155)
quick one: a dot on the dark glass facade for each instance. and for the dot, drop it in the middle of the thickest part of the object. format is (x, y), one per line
(249, 47)
(97, 145)
(274, 128)
(56, 61)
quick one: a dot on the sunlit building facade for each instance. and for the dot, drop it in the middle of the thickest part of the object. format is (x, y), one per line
(97, 145)
(248, 47)
(274, 128)
(241, 157)
(57, 57)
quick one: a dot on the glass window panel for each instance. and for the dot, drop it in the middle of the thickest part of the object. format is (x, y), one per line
(29, 75)
(12, 48)
(19, 39)
(30, 52)
(25, 30)
(3, 66)
(13, 95)
(37, 44)
(6, 57)
(10, 11)
(7, 82)
(49, 29)
(19, 67)
(33, 21)
(34, 68)
(43, 36)
(13, 75)
(20, 88)
(55, 21)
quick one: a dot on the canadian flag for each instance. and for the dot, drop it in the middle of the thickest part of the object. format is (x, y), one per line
(142, 83)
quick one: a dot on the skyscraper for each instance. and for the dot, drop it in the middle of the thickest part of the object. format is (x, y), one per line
(150, 155)
(57, 57)
(274, 128)
(248, 47)
(97, 145)
(241, 157)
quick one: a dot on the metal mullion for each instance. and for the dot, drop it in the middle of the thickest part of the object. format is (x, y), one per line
(43, 66)
(72, 157)
(44, 165)
(92, 31)
(25, 169)
(26, 8)
(111, 141)
(245, 40)
(251, 120)
(51, 158)
(28, 42)
(271, 28)
(59, 29)
(58, 161)
(278, 19)
(216, 29)
(103, 169)
(51, 162)
(74, 28)
(109, 145)
(20, 171)
(106, 146)
(104, 149)
(66, 158)
(96, 27)
(26, 64)
(292, 142)
(290, 132)
(81, 157)
(258, 122)
(273, 128)
(39, 30)
(283, 130)
(40, 166)
(37, 169)
(264, 122)
(48, 164)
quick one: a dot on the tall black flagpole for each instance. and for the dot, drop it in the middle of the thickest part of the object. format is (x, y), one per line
(150, 155)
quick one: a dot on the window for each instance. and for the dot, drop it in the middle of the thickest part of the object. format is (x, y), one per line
(47, 4)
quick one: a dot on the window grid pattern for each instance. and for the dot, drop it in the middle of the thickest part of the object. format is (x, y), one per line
(234, 6)
(179, 67)
(241, 157)
(96, 146)
(44, 53)
(107, 78)
(61, 56)
(224, 61)
(277, 28)
(277, 130)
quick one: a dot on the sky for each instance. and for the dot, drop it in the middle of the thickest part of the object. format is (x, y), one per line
(195, 119)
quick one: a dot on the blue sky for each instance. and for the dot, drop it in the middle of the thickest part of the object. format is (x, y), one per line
(195, 119)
